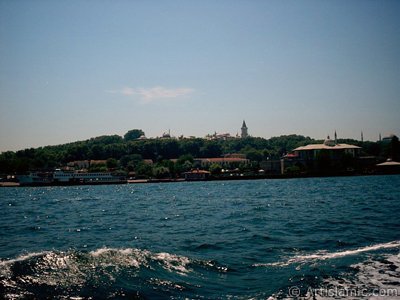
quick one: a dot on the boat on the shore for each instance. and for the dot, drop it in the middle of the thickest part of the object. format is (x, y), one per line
(60, 177)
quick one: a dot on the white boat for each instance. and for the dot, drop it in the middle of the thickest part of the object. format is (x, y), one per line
(66, 177)
(60, 177)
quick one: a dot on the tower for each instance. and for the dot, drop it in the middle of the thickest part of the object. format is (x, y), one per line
(362, 136)
(244, 130)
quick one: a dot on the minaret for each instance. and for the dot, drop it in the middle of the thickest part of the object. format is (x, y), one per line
(335, 138)
(244, 130)
(362, 137)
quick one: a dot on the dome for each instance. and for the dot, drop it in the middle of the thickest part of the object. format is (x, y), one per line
(329, 142)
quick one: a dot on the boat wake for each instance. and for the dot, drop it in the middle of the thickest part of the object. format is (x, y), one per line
(324, 255)
(102, 273)
(375, 277)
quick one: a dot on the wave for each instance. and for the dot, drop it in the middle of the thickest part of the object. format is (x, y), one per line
(324, 255)
(140, 258)
(375, 278)
(107, 270)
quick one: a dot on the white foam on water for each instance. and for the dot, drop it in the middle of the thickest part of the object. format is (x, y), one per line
(324, 255)
(58, 269)
(22, 258)
(173, 262)
(72, 269)
(6, 264)
(375, 278)
(113, 257)
(137, 258)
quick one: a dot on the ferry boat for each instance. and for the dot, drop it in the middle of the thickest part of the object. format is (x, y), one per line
(65, 177)
(36, 179)
(60, 177)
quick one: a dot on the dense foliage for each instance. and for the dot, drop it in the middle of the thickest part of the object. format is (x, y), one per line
(130, 153)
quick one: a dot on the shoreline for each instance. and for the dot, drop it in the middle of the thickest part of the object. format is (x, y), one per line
(172, 180)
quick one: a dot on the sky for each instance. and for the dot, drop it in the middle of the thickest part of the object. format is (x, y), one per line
(72, 70)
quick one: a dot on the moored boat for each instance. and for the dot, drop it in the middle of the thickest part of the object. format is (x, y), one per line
(60, 177)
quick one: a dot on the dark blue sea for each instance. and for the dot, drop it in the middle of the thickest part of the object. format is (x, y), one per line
(317, 238)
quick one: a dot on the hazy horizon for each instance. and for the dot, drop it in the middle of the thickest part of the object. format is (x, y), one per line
(72, 70)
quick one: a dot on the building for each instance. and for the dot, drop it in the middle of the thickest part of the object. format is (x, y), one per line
(388, 139)
(388, 167)
(334, 150)
(85, 164)
(195, 175)
(229, 161)
(219, 136)
(326, 157)
(244, 128)
(228, 136)
(79, 164)
(166, 135)
(271, 167)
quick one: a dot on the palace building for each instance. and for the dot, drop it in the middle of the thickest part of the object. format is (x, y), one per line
(328, 156)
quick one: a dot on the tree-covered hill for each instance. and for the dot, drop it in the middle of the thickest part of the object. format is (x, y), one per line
(127, 152)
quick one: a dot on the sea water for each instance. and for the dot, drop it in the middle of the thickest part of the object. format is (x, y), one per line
(320, 238)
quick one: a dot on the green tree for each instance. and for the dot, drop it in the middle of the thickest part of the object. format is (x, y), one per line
(133, 134)
(112, 163)
(143, 170)
(132, 159)
(161, 172)
(98, 168)
(253, 154)
(184, 158)
(215, 169)
(211, 149)
(183, 164)
(97, 152)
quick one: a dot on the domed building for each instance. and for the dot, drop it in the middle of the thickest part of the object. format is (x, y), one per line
(331, 147)
(330, 156)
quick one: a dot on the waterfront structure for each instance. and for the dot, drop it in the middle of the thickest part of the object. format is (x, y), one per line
(326, 157)
(60, 177)
(196, 175)
(271, 166)
(331, 147)
(244, 129)
(389, 167)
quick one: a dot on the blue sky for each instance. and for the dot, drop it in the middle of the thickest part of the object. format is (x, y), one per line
(71, 70)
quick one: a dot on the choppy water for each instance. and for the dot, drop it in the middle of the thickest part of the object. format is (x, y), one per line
(203, 240)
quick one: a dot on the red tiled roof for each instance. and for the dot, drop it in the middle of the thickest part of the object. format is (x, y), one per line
(224, 159)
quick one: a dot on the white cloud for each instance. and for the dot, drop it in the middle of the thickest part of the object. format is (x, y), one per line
(157, 93)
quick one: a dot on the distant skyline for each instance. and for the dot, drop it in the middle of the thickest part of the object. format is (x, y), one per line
(72, 70)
